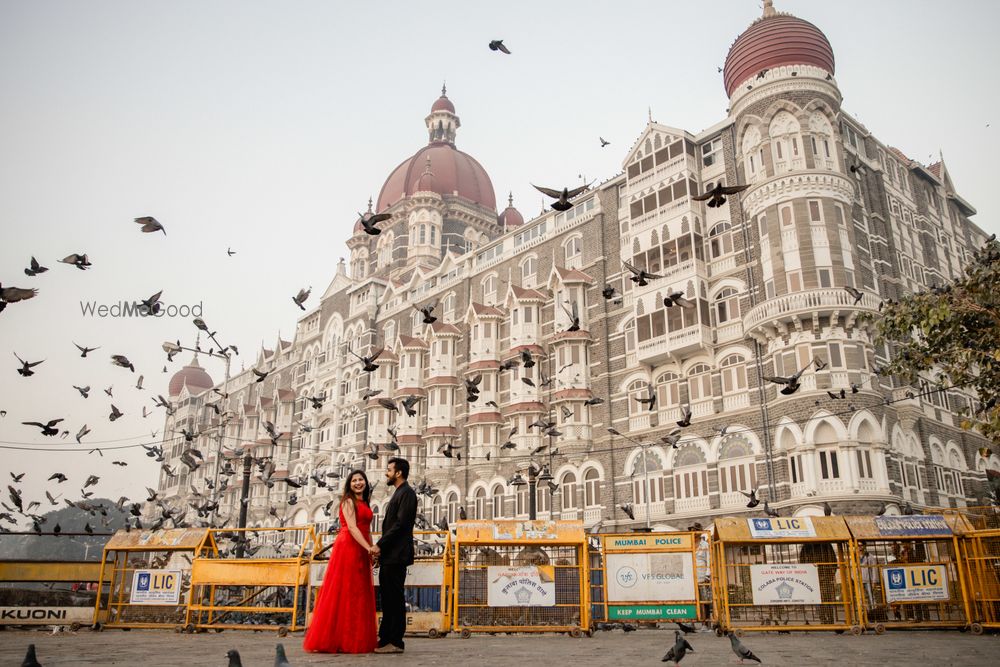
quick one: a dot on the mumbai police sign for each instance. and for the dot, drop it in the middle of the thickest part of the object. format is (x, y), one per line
(156, 587)
(780, 527)
(528, 586)
(910, 583)
(648, 543)
(650, 577)
(785, 584)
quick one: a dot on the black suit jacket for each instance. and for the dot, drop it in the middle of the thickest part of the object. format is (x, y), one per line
(396, 543)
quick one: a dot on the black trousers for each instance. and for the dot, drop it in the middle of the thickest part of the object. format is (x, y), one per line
(391, 579)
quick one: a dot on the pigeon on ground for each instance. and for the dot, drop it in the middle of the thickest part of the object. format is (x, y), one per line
(280, 659)
(29, 658)
(678, 650)
(741, 651)
(234, 658)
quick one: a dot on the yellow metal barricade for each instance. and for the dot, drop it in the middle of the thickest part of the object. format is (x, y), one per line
(651, 577)
(48, 592)
(428, 581)
(251, 579)
(521, 576)
(145, 578)
(783, 574)
(595, 585)
(981, 557)
(979, 518)
(908, 571)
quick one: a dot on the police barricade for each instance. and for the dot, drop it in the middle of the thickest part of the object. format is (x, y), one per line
(48, 592)
(981, 558)
(783, 574)
(251, 579)
(651, 577)
(521, 576)
(145, 578)
(428, 581)
(909, 572)
(979, 518)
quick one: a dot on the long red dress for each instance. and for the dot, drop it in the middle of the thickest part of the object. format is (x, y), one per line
(344, 616)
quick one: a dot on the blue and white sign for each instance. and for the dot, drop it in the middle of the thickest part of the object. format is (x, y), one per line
(156, 587)
(915, 583)
(781, 527)
(930, 524)
(650, 577)
(785, 584)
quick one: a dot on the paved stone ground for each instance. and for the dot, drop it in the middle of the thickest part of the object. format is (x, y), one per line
(150, 648)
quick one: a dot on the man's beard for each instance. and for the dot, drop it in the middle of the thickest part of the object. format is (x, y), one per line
(390, 481)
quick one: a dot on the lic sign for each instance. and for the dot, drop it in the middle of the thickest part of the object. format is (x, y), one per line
(915, 583)
(156, 587)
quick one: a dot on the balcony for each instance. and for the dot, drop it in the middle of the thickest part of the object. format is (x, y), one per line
(735, 402)
(591, 515)
(656, 509)
(674, 344)
(832, 486)
(695, 504)
(772, 317)
(640, 422)
(721, 266)
(729, 331)
(732, 499)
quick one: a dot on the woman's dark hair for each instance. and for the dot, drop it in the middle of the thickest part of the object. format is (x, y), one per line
(366, 495)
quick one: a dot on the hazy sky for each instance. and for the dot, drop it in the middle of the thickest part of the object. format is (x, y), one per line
(264, 126)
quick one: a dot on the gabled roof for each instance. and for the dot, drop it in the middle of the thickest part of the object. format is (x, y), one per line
(440, 328)
(410, 341)
(572, 275)
(481, 310)
(523, 294)
(652, 127)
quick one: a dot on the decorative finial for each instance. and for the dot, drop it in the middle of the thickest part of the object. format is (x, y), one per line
(427, 167)
(649, 110)
(769, 8)
(369, 204)
(444, 89)
(510, 199)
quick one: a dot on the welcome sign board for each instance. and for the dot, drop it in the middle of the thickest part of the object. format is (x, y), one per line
(527, 586)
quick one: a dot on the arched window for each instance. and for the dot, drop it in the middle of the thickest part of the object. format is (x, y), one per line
(452, 507)
(727, 306)
(630, 342)
(734, 374)
(754, 165)
(823, 147)
(567, 491)
(637, 389)
(639, 478)
(737, 471)
(437, 509)
(529, 267)
(592, 488)
(480, 503)
(389, 333)
(720, 241)
(448, 307)
(699, 382)
(497, 501)
(668, 390)
(786, 141)
(573, 250)
(433, 235)
(489, 289)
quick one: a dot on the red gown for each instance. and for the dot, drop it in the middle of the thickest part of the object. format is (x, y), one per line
(344, 617)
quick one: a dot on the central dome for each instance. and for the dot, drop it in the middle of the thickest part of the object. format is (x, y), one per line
(456, 173)
(774, 40)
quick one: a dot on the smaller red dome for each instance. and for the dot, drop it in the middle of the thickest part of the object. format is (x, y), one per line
(426, 182)
(192, 375)
(443, 104)
(511, 217)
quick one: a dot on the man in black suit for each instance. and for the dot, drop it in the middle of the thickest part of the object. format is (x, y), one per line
(395, 552)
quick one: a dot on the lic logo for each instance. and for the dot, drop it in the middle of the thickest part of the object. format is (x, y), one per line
(143, 582)
(762, 524)
(897, 579)
(626, 577)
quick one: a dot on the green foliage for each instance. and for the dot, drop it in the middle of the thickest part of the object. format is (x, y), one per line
(950, 336)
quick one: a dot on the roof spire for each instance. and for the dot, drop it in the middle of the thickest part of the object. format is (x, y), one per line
(510, 198)
(769, 8)
(444, 89)
(649, 110)
(369, 204)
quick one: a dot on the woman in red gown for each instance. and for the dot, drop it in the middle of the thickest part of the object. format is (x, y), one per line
(343, 620)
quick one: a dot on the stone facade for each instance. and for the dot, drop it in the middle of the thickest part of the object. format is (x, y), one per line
(828, 206)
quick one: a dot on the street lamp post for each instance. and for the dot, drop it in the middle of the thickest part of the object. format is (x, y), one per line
(645, 469)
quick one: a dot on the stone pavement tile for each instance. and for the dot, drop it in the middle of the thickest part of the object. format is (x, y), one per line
(149, 648)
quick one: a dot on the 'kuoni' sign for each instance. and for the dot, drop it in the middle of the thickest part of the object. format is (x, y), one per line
(931, 524)
(650, 577)
(528, 586)
(156, 587)
(785, 584)
(908, 583)
(792, 527)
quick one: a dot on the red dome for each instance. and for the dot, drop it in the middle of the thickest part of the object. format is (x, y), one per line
(773, 41)
(442, 104)
(511, 217)
(194, 376)
(455, 173)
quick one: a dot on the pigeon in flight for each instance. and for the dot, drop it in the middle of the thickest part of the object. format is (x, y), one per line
(717, 195)
(426, 311)
(25, 370)
(640, 276)
(562, 198)
(369, 365)
(856, 293)
(604, 142)
(230, 252)
(301, 297)
(79, 261)
(15, 294)
(122, 361)
(753, 499)
(497, 45)
(85, 350)
(369, 220)
(150, 224)
(649, 400)
(35, 268)
(791, 382)
(47, 427)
